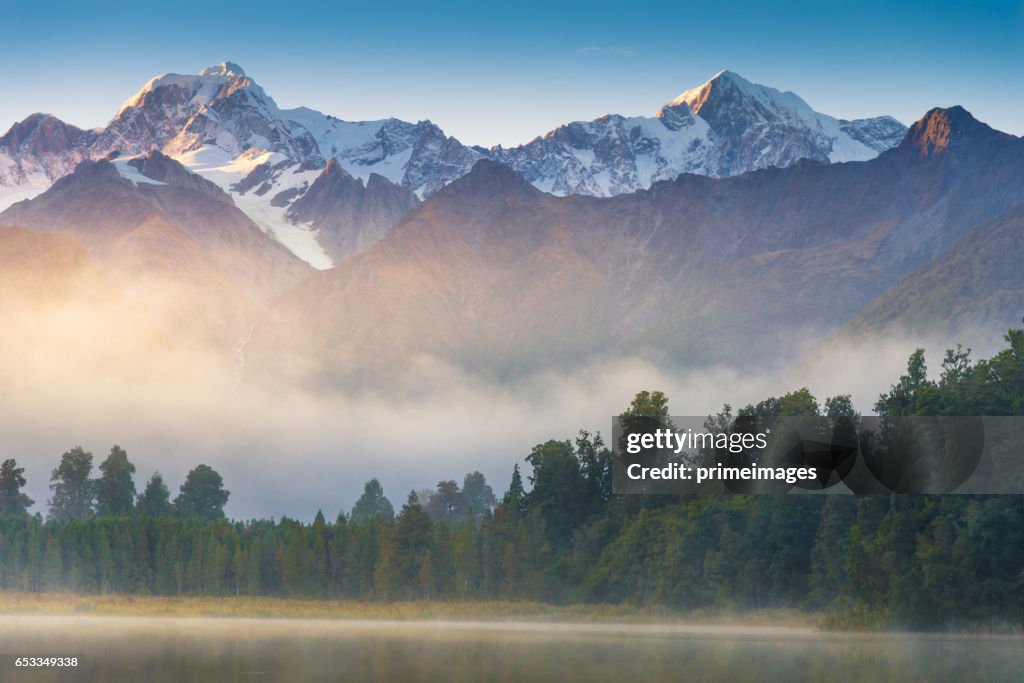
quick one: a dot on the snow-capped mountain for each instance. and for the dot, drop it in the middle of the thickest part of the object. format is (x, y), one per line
(614, 154)
(37, 151)
(223, 125)
(220, 107)
(725, 127)
(220, 124)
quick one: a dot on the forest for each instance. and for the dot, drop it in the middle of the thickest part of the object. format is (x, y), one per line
(558, 534)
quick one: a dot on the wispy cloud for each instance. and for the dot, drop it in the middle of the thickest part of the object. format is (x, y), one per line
(598, 50)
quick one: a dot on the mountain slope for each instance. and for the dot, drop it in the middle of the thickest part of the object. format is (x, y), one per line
(66, 329)
(348, 215)
(461, 278)
(169, 237)
(497, 278)
(36, 266)
(975, 289)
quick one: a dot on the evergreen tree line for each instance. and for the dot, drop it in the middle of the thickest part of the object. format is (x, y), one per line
(908, 560)
(77, 495)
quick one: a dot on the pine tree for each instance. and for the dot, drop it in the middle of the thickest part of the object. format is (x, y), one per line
(828, 580)
(12, 501)
(447, 504)
(403, 553)
(478, 494)
(105, 562)
(425, 576)
(115, 489)
(73, 490)
(155, 499)
(373, 504)
(559, 490)
(202, 495)
(253, 585)
(515, 498)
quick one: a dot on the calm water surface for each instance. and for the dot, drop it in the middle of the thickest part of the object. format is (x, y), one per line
(167, 650)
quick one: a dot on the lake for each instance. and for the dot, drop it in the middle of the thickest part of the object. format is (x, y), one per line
(215, 650)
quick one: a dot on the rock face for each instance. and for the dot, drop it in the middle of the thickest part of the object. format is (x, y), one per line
(726, 127)
(973, 290)
(498, 278)
(40, 149)
(222, 125)
(40, 135)
(347, 215)
(219, 107)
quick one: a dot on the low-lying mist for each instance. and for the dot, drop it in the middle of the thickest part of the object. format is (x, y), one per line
(80, 373)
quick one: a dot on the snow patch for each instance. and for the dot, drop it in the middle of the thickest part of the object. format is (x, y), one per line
(129, 172)
(300, 239)
(34, 185)
(226, 170)
(223, 168)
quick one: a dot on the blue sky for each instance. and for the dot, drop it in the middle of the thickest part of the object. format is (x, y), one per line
(503, 72)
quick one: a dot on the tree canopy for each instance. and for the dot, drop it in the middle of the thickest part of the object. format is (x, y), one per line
(115, 489)
(12, 479)
(202, 495)
(155, 499)
(373, 503)
(74, 492)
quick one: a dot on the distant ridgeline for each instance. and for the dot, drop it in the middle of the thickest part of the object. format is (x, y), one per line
(896, 560)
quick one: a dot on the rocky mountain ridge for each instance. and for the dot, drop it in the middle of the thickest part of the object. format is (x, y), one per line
(221, 124)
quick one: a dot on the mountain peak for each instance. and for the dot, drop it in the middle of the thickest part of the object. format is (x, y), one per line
(333, 169)
(742, 110)
(193, 91)
(223, 69)
(38, 124)
(489, 177)
(697, 97)
(493, 170)
(40, 134)
(728, 76)
(942, 128)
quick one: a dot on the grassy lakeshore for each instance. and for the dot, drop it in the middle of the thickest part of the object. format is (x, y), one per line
(242, 607)
(262, 607)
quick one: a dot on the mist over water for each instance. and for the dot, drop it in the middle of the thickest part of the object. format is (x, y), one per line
(220, 650)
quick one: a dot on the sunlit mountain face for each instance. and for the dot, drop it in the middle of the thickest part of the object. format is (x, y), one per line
(222, 125)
